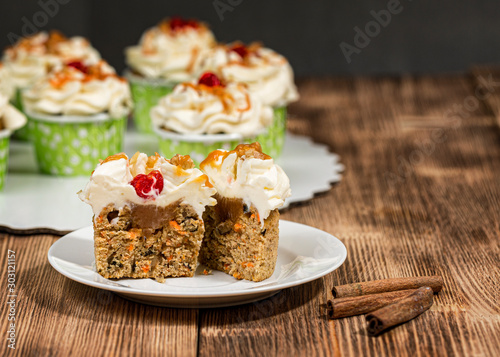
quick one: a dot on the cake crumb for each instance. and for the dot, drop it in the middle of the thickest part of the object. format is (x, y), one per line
(207, 272)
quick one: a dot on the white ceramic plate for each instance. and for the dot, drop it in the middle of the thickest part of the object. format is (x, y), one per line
(35, 203)
(304, 254)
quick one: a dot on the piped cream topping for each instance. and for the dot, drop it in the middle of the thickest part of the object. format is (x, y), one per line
(6, 85)
(77, 89)
(34, 57)
(111, 182)
(199, 109)
(250, 175)
(267, 74)
(170, 49)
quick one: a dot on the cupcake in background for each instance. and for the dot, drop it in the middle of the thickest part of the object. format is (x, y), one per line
(10, 120)
(78, 114)
(34, 57)
(267, 74)
(164, 57)
(199, 117)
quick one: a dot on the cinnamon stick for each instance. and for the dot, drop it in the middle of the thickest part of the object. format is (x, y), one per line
(381, 286)
(401, 311)
(357, 305)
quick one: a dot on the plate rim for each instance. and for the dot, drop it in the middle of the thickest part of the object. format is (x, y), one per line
(200, 295)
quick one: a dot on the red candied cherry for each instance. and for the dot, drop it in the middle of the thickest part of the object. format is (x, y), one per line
(148, 186)
(241, 50)
(209, 79)
(178, 22)
(79, 66)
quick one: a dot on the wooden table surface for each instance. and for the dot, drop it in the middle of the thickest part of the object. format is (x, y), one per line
(420, 196)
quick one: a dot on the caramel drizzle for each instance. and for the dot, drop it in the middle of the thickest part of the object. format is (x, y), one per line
(244, 151)
(59, 79)
(192, 60)
(226, 99)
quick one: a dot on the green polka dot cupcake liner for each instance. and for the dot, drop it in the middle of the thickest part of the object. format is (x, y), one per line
(199, 146)
(146, 93)
(73, 145)
(4, 155)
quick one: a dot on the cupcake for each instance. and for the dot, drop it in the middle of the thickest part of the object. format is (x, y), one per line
(147, 215)
(10, 120)
(199, 117)
(34, 57)
(164, 57)
(242, 229)
(78, 114)
(267, 74)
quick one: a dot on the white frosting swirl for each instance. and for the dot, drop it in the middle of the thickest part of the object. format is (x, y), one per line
(169, 54)
(34, 57)
(198, 109)
(70, 91)
(258, 182)
(6, 85)
(10, 117)
(266, 73)
(110, 183)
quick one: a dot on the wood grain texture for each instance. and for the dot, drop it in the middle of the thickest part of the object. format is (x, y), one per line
(59, 317)
(420, 196)
(434, 215)
(487, 87)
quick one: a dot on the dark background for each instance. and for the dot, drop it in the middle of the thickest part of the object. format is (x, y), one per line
(425, 36)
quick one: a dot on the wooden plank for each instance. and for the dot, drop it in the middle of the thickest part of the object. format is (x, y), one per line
(59, 317)
(435, 216)
(487, 86)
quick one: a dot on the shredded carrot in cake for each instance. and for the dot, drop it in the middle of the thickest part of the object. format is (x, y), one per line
(130, 247)
(134, 233)
(238, 227)
(146, 268)
(177, 227)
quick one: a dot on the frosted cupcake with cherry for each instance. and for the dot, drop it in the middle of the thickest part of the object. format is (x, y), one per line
(164, 57)
(78, 115)
(201, 116)
(35, 56)
(267, 74)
